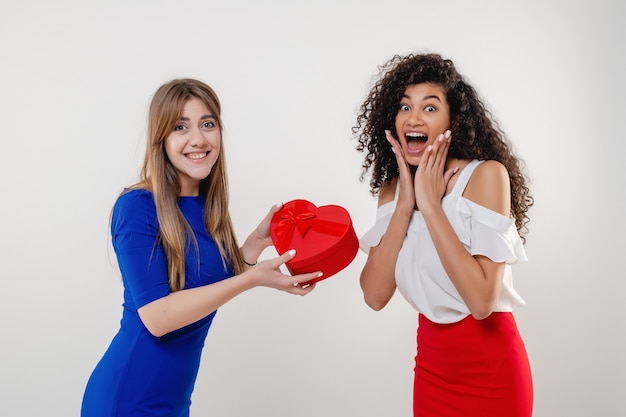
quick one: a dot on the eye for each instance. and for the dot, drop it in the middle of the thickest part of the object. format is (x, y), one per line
(208, 125)
(429, 108)
(179, 128)
(404, 107)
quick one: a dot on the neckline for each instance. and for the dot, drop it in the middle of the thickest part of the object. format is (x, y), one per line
(463, 178)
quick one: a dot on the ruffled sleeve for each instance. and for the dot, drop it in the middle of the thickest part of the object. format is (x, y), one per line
(490, 234)
(373, 236)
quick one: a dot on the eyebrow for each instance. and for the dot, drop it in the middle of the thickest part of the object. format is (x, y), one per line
(425, 97)
(205, 117)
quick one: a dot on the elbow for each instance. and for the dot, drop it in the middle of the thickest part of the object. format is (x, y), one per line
(375, 303)
(157, 332)
(376, 297)
(483, 310)
(153, 328)
(152, 320)
(377, 289)
(481, 315)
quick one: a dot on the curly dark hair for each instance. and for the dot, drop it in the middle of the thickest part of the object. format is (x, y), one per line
(475, 133)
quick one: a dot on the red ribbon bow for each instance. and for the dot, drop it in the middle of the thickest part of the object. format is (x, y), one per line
(303, 220)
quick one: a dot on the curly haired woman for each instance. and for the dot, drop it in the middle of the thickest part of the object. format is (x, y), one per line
(451, 219)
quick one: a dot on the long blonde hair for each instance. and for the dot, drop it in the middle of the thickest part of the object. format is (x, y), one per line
(159, 176)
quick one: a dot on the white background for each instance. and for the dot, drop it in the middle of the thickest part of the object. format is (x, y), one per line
(76, 78)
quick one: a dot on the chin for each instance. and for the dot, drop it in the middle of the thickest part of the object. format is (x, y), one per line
(414, 161)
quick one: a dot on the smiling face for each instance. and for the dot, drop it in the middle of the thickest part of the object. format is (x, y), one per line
(193, 146)
(423, 115)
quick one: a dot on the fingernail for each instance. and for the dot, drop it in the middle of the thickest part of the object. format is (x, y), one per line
(440, 138)
(456, 169)
(292, 252)
(387, 135)
(430, 148)
(278, 205)
(320, 274)
(448, 134)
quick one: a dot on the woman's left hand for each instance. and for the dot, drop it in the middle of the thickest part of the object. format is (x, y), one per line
(260, 238)
(431, 178)
(262, 231)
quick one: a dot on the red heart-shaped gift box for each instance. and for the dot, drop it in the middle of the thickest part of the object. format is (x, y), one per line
(323, 237)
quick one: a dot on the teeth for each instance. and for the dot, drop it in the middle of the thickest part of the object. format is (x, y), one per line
(196, 155)
(415, 135)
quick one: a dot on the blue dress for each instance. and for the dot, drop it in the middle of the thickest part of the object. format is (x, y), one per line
(140, 374)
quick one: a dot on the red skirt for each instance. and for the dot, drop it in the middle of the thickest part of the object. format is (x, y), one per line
(472, 368)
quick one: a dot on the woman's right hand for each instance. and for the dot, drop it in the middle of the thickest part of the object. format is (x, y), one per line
(406, 197)
(268, 274)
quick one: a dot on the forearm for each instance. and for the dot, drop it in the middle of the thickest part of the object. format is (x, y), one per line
(181, 308)
(378, 275)
(184, 307)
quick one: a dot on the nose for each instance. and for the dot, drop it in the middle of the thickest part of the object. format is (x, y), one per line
(414, 118)
(197, 138)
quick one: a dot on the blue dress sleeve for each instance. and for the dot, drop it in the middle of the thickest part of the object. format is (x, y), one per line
(142, 262)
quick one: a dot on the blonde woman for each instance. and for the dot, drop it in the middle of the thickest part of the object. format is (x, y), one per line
(179, 259)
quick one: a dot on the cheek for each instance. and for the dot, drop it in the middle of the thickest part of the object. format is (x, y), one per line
(169, 145)
(216, 142)
(173, 147)
(446, 120)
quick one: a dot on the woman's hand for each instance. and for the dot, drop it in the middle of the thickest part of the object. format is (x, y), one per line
(268, 274)
(260, 237)
(431, 178)
(262, 231)
(406, 197)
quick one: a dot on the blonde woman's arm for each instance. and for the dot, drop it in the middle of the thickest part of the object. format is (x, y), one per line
(184, 307)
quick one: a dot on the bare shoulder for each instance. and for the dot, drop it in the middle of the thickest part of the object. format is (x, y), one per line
(490, 187)
(387, 192)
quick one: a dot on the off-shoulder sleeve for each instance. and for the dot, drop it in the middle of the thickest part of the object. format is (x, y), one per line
(373, 236)
(490, 234)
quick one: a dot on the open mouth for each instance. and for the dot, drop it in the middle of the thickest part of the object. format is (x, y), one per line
(415, 142)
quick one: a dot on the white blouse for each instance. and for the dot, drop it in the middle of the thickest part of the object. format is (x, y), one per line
(420, 276)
